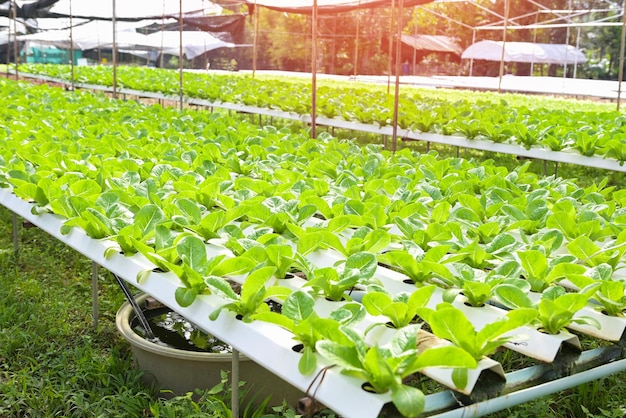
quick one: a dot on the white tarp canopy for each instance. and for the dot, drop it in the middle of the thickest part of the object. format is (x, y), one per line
(7, 26)
(195, 43)
(92, 35)
(99, 34)
(525, 52)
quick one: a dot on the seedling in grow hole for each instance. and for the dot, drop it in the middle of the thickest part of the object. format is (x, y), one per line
(401, 309)
(575, 222)
(529, 212)
(142, 229)
(299, 317)
(108, 217)
(212, 222)
(278, 213)
(481, 257)
(333, 282)
(556, 309)
(477, 290)
(383, 367)
(451, 324)
(280, 256)
(419, 265)
(607, 295)
(424, 233)
(591, 254)
(611, 298)
(546, 241)
(361, 239)
(194, 266)
(541, 273)
(253, 296)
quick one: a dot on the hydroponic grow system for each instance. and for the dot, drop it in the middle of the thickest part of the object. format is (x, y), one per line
(272, 347)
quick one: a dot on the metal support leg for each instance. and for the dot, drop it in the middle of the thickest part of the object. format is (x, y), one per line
(234, 378)
(94, 294)
(16, 237)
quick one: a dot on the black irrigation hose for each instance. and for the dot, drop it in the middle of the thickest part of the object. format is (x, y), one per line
(138, 312)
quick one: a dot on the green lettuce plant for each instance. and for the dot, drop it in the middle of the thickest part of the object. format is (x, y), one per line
(606, 294)
(450, 323)
(479, 290)
(400, 309)
(334, 282)
(541, 272)
(299, 317)
(420, 266)
(282, 257)
(338, 236)
(591, 254)
(193, 266)
(555, 309)
(253, 296)
(383, 368)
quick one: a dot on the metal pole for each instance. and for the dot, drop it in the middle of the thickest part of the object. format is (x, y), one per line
(9, 49)
(180, 53)
(16, 237)
(16, 56)
(314, 69)
(114, 51)
(71, 48)
(576, 56)
(532, 64)
(506, 21)
(620, 77)
(356, 42)
(94, 294)
(567, 41)
(334, 45)
(234, 378)
(414, 67)
(391, 19)
(256, 39)
(394, 137)
(471, 72)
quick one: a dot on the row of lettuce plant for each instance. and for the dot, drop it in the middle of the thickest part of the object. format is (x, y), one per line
(584, 131)
(477, 258)
(208, 198)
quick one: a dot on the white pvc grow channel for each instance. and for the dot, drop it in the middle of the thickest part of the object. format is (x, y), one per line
(271, 346)
(266, 344)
